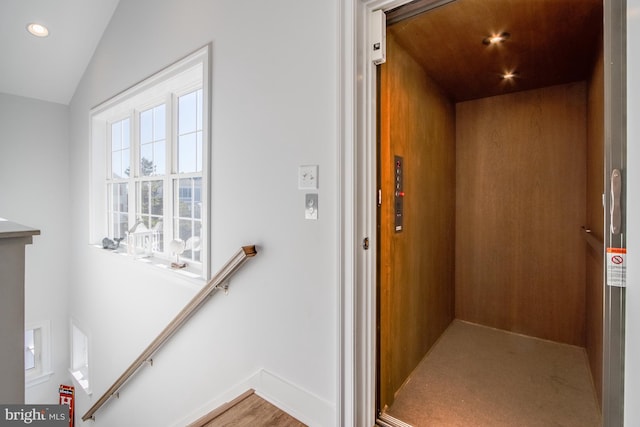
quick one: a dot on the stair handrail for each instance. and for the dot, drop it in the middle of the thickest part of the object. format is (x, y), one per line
(595, 242)
(217, 282)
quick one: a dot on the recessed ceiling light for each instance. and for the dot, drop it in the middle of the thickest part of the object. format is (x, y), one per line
(510, 75)
(496, 38)
(38, 30)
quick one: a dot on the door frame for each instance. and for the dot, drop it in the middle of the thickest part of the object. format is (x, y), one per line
(615, 129)
(358, 133)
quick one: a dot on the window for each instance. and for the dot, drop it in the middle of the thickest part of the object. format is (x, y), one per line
(80, 357)
(37, 354)
(31, 350)
(150, 187)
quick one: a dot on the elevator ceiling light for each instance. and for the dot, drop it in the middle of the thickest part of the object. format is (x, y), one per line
(38, 30)
(496, 38)
(510, 75)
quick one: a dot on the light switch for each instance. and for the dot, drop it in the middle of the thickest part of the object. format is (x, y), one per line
(311, 206)
(308, 177)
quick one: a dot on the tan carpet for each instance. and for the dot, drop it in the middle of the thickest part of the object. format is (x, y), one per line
(476, 376)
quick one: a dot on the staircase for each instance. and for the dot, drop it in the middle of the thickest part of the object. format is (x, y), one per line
(247, 410)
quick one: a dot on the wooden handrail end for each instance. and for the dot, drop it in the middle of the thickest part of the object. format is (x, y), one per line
(250, 250)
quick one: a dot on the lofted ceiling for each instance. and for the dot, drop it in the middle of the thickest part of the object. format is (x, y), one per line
(550, 42)
(49, 68)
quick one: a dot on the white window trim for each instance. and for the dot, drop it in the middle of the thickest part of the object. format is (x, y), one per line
(148, 93)
(43, 371)
(74, 324)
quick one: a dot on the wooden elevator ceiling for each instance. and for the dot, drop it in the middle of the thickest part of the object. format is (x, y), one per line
(551, 42)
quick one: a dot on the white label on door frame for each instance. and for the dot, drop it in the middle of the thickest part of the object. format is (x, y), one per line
(617, 267)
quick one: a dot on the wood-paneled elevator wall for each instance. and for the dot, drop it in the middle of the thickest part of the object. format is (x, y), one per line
(520, 206)
(417, 122)
(497, 190)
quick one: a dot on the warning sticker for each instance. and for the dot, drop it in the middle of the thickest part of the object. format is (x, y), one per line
(617, 267)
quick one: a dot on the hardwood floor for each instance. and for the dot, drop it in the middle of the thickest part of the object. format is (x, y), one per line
(248, 410)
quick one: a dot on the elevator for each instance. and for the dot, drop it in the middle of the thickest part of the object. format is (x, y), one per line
(502, 221)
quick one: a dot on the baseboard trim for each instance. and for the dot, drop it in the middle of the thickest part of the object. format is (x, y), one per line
(297, 402)
(221, 409)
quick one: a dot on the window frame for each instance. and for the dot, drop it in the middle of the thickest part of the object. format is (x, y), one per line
(41, 372)
(165, 87)
(73, 369)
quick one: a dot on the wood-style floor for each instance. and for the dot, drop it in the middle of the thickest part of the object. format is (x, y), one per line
(248, 410)
(476, 376)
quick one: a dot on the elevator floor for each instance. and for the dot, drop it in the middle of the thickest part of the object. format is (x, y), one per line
(476, 376)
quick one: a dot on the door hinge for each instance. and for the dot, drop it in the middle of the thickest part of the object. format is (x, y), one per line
(379, 197)
(365, 243)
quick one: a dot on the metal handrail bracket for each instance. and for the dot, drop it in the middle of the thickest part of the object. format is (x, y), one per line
(218, 282)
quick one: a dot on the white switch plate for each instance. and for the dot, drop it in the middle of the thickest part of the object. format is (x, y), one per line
(308, 177)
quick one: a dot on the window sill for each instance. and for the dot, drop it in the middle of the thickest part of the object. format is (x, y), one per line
(39, 379)
(79, 380)
(193, 278)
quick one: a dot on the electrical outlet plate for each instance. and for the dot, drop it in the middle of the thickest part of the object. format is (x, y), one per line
(308, 177)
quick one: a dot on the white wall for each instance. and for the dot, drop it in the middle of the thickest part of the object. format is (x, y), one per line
(274, 93)
(632, 355)
(34, 191)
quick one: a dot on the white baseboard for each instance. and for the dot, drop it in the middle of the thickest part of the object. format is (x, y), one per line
(300, 404)
(218, 401)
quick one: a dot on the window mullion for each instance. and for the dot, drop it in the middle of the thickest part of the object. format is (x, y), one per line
(109, 152)
(109, 193)
(134, 137)
(167, 208)
(109, 188)
(172, 100)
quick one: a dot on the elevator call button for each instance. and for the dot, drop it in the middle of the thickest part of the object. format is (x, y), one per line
(398, 194)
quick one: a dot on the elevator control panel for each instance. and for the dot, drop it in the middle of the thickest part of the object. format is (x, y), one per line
(398, 201)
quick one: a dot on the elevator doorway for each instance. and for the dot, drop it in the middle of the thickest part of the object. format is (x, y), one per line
(502, 181)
